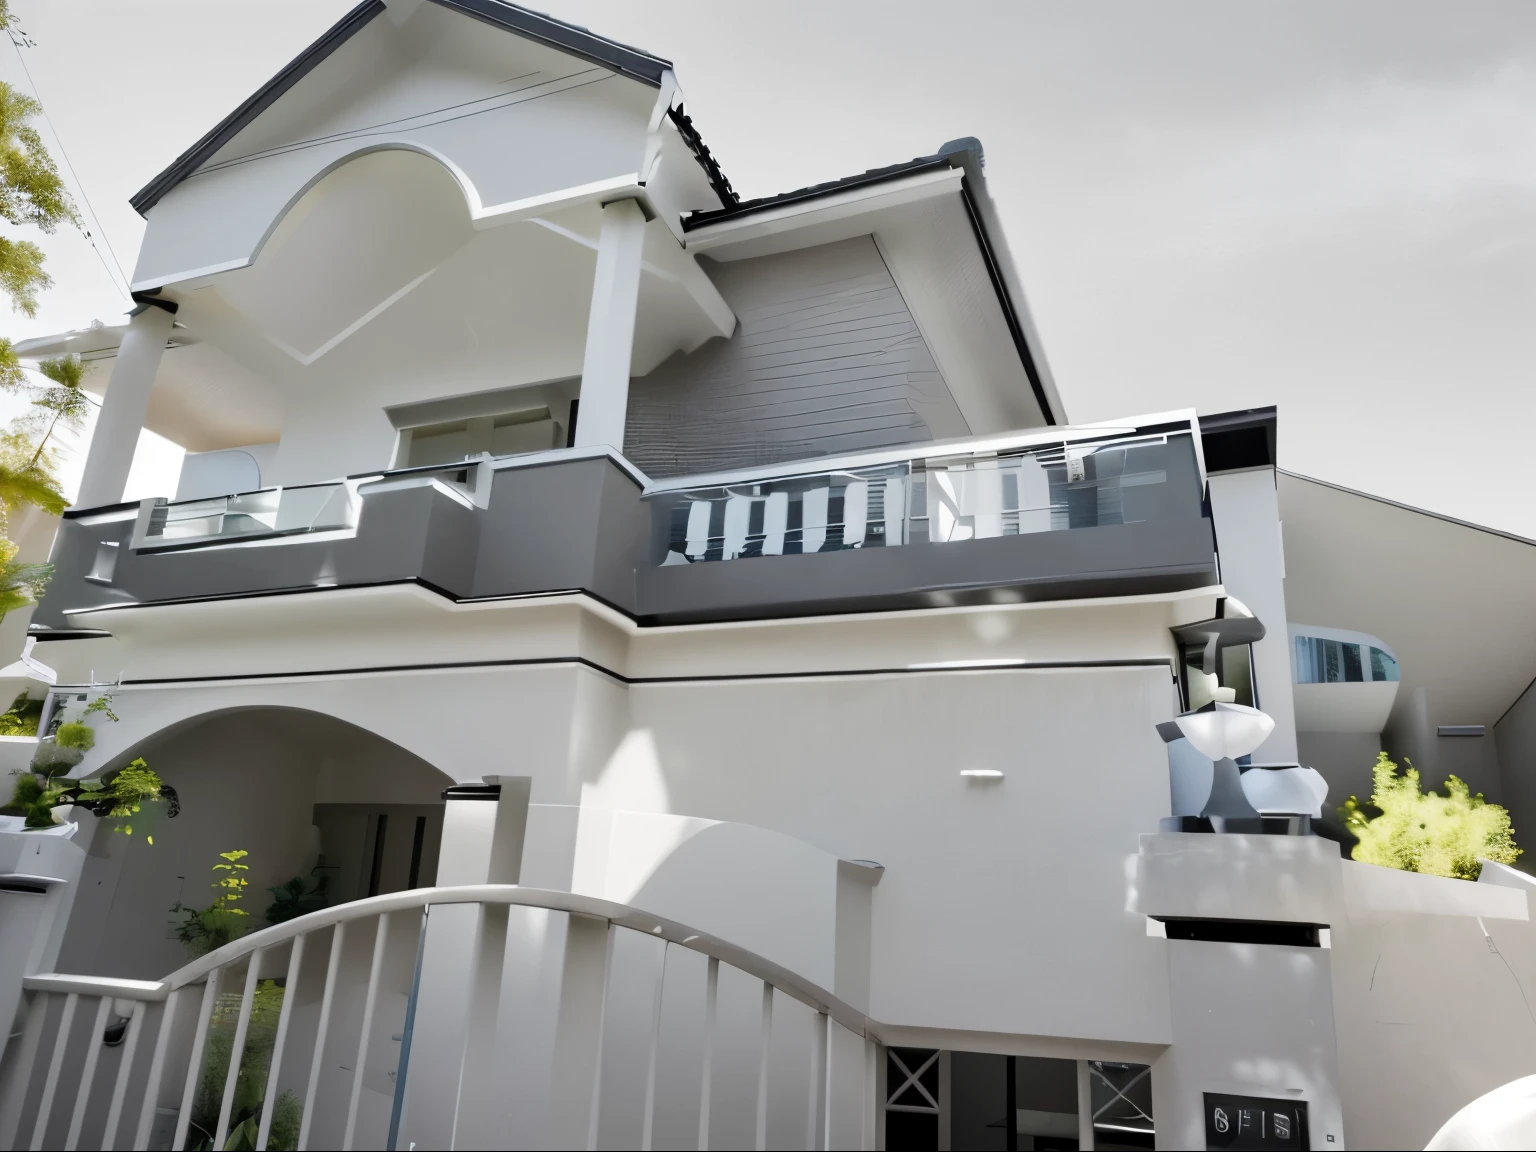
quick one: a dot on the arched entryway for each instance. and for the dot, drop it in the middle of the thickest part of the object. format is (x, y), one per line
(309, 797)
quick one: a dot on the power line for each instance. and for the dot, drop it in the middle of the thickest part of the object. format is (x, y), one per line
(120, 282)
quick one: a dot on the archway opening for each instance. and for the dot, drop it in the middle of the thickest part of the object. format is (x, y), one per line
(326, 811)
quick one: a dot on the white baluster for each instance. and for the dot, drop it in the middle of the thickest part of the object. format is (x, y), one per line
(51, 1084)
(818, 1054)
(237, 1048)
(195, 1063)
(711, 1000)
(775, 521)
(290, 992)
(13, 1092)
(650, 1065)
(813, 518)
(124, 1069)
(362, 1041)
(156, 1072)
(88, 1077)
(738, 515)
(327, 998)
(855, 513)
(764, 1044)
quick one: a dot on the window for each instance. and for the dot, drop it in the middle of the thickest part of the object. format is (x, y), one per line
(1320, 661)
(1384, 666)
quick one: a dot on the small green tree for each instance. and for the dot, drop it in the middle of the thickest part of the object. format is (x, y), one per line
(32, 193)
(203, 930)
(1426, 832)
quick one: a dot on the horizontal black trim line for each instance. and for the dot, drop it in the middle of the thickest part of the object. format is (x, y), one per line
(1284, 933)
(540, 661)
(99, 509)
(41, 634)
(473, 792)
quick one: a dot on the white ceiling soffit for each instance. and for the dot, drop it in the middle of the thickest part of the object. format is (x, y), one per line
(821, 220)
(1452, 600)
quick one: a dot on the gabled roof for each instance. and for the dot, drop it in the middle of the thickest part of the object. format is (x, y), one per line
(569, 38)
(964, 154)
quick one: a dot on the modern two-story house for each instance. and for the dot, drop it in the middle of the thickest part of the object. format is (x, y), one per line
(731, 704)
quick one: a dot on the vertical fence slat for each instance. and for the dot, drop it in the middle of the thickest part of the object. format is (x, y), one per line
(711, 1000)
(407, 1034)
(156, 1072)
(362, 1040)
(824, 1023)
(818, 1051)
(295, 958)
(88, 1076)
(124, 1070)
(487, 960)
(338, 937)
(602, 1026)
(764, 1045)
(195, 1061)
(60, 1042)
(237, 1047)
(13, 1093)
(650, 1065)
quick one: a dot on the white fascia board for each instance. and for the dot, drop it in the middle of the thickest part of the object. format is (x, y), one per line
(824, 209)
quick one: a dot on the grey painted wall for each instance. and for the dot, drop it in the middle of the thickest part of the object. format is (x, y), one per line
(1344, 759)
(826, 358)
(1515, 741)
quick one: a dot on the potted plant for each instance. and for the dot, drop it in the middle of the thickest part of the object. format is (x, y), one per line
(44, 794)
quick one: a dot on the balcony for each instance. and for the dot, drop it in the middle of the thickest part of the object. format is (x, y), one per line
(1343, 681)
(1042, 515)
(1035, 516)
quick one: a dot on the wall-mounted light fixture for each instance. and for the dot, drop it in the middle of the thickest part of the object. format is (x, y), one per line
(981, 774)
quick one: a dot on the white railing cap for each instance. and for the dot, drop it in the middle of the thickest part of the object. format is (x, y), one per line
(622, 915)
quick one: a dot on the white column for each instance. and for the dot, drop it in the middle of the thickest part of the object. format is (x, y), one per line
(611, 327)
(1084, 1106)
(116, 435)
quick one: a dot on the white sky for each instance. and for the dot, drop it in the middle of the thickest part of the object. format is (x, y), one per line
(1326, 207)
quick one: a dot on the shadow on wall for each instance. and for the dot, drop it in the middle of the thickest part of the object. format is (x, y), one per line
(246, 779)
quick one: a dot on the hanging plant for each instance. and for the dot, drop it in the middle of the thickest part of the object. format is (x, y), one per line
(42, 791)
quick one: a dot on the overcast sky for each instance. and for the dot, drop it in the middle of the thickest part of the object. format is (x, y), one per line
(1329, 207)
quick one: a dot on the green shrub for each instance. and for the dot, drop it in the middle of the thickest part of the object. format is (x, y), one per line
(1426, 832)
(77, 735)
(23, 717)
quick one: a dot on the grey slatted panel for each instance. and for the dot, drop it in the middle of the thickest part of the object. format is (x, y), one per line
(826, 358)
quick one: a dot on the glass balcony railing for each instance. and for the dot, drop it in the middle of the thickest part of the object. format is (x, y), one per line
(272, 512)
(1342, 659)
(929, 500)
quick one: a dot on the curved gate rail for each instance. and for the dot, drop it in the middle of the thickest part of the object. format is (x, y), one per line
(22, 1100)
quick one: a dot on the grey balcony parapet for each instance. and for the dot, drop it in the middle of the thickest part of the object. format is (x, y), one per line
(1112, 513)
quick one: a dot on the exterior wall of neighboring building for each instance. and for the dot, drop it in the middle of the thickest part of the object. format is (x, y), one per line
(1412, 735)
(1344, 759)
(1514, 739)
